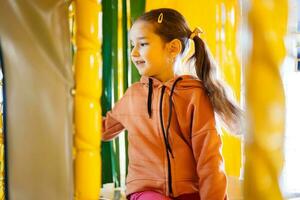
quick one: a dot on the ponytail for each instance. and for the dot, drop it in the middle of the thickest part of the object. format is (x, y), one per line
(227, 110)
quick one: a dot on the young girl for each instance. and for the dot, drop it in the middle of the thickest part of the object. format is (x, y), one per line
(174, 148)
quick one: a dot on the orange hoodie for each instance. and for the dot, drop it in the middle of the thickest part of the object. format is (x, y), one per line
(174, 147)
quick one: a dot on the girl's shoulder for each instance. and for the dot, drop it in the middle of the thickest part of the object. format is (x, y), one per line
(190, 85)
(134, 89)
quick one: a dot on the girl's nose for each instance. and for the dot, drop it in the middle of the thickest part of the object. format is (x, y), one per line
(134, 52)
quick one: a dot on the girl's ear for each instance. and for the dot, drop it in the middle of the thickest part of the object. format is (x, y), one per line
(174, 47)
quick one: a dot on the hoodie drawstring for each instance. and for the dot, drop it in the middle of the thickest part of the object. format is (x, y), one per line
(166, 131)
(149, 102)
(170, 115)
(149, 107)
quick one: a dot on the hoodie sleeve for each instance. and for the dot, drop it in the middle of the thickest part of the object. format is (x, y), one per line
(206, 144)
(112, 122)
(110, 127)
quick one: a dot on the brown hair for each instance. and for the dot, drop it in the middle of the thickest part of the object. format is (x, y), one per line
(174, 26)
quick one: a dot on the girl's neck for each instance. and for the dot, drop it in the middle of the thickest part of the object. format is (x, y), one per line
(164, 77)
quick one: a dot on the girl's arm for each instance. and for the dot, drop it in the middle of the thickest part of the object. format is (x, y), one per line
(111, 127)
(206, 144)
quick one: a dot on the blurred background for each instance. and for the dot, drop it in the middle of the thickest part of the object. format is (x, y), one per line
(65, 63)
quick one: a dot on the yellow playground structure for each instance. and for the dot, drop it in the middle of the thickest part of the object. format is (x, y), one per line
(65, 63)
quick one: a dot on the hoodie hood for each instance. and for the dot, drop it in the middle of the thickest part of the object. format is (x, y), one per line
(181, 82)
(186, 82)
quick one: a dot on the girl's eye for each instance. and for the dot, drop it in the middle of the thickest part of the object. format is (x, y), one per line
(143, 44)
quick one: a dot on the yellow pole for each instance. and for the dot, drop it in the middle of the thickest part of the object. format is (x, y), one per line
(265, 100)
(87, 101)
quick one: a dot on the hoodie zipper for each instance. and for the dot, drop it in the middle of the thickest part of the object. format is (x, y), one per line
(166, 143)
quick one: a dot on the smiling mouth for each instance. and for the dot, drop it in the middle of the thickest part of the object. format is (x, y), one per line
(139, 62)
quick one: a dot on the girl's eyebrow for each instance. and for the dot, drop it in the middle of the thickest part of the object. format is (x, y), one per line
(141, 38)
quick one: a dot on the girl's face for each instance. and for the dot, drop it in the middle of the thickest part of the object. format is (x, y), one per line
(149, 52)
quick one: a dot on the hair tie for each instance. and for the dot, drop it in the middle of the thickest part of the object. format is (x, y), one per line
(160, 18)
(196, 32)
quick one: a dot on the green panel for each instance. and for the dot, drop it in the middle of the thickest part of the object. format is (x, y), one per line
(110, 169)
(125, 50)
(114, 54)
(126, 62)
(137, 7)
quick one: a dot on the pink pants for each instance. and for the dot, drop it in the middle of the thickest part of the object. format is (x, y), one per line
(150, 195)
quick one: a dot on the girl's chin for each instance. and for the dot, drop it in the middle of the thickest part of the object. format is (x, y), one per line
(141, 67)
(142, 71)
(143, 74)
